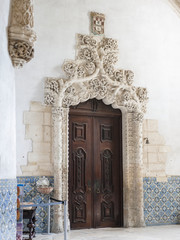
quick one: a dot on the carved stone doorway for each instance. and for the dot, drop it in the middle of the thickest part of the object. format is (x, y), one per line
(93, 75)
(95, 166)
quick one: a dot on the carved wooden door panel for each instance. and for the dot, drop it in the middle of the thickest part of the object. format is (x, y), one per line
(95, 179)
(106, 172)
(80, 197)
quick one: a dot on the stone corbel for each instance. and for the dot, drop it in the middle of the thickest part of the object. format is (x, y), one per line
(20, 32)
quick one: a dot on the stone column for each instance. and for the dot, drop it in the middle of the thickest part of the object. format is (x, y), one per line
(138, 152)
(133, 199)
(60, 157)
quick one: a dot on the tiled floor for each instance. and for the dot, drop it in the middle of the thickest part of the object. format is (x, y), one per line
(168, 232)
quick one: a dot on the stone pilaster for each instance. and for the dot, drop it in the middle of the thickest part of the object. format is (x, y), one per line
(133, 179)
(60, 157)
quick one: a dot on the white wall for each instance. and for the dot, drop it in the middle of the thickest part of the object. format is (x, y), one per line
(148, 33)
(7, 101)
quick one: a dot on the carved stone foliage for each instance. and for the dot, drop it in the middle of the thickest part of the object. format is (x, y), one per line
(93, 75)
(20, 32)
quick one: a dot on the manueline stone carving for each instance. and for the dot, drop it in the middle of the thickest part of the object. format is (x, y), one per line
(94, 69)
(21, 50)
(142, 94)
(93, 75)
(20, 32)
(70, 68)
(129, 77)
(119, 76)
(23, 13)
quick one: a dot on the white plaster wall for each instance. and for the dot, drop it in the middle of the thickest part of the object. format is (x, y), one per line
(149, 35)
(7, 101)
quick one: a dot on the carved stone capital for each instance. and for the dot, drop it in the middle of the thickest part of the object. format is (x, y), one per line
(20, 32)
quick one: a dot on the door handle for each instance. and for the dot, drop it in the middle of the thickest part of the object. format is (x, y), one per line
(97, 187)
(98, 190)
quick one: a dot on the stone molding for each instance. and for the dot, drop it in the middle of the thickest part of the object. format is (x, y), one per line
(20, 32)
(93, 75)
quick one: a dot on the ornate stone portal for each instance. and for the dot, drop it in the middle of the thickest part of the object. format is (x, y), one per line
(92, 75)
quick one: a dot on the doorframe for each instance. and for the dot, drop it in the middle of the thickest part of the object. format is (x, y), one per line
(133, 215)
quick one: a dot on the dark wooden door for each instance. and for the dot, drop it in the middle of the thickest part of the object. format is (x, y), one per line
(95, 169)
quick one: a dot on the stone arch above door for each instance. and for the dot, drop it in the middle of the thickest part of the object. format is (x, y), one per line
(93, 75)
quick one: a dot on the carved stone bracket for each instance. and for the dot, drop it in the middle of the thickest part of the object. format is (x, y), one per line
(20, 32)
(93, 75)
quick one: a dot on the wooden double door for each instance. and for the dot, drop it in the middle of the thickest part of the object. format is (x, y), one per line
(95, 169)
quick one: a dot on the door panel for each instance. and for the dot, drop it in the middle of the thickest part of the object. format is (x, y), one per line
(80, 178)
(95, 189)
(106, 171)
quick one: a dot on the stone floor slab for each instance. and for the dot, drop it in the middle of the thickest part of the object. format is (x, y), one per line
(168, 232)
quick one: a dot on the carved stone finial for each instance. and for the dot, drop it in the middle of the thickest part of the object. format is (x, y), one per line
(97, 23)
(20, 32)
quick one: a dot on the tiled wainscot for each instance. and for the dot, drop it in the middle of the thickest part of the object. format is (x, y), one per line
(8, 205)
(32, 195)
(162, 201)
